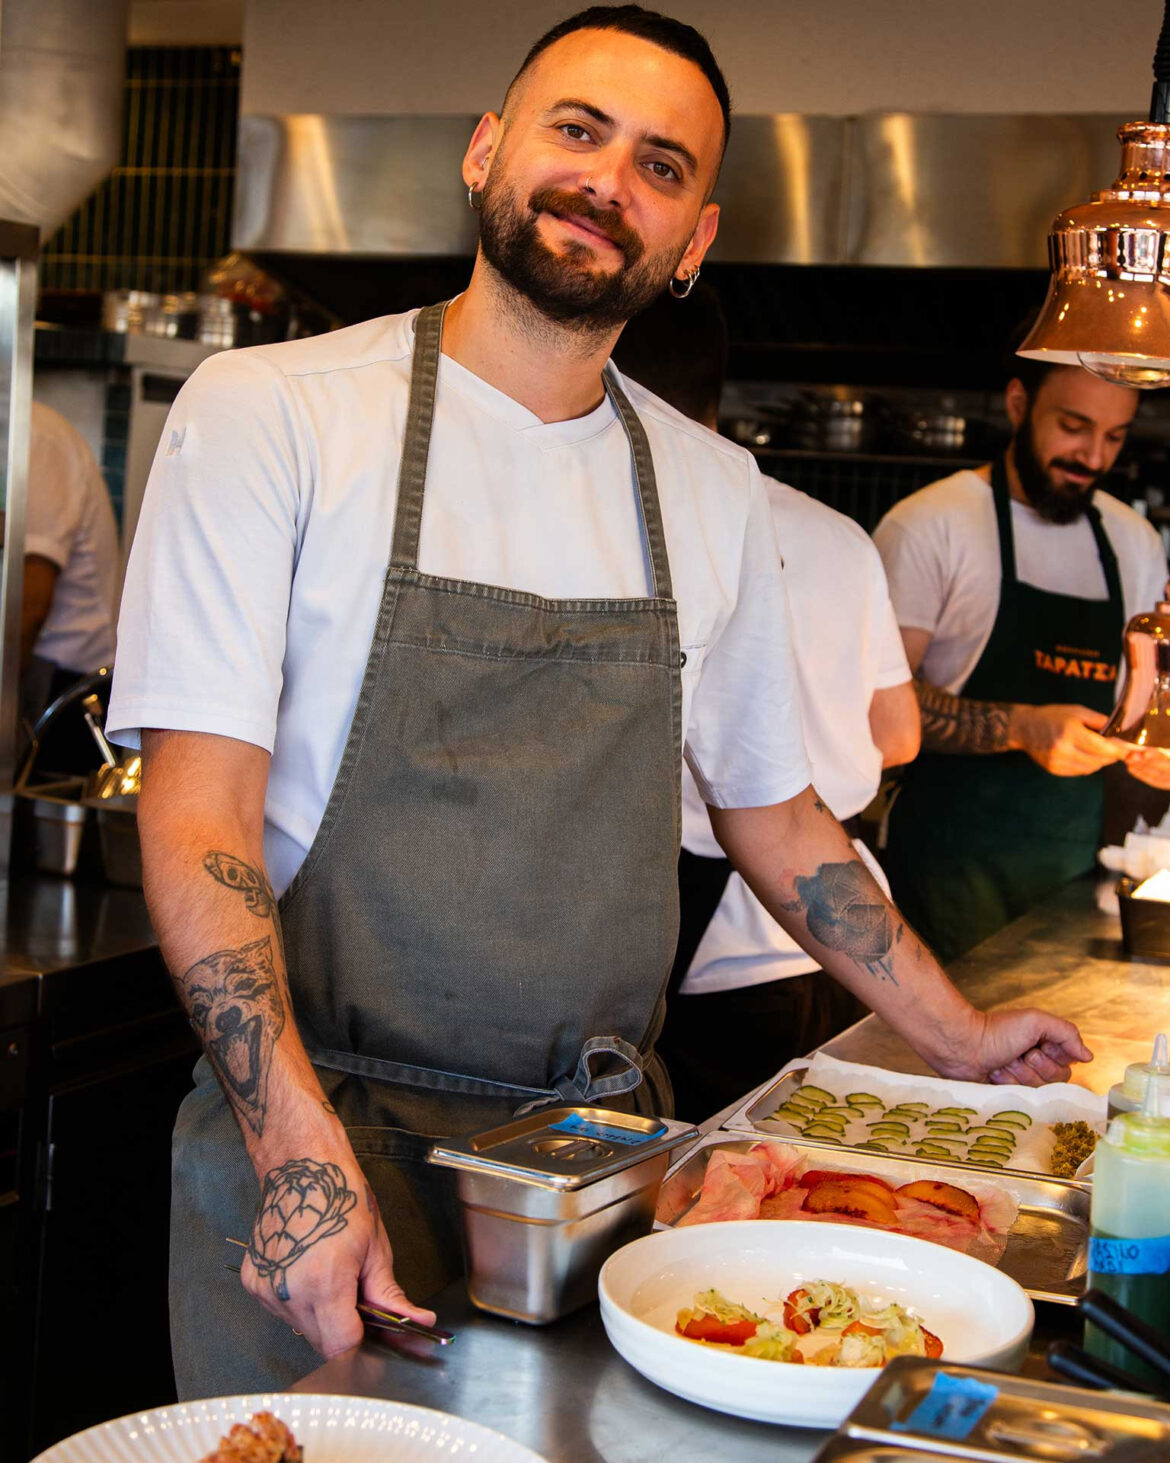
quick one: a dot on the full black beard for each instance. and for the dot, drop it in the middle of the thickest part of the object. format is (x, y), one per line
(564, 287)
(1057, 505)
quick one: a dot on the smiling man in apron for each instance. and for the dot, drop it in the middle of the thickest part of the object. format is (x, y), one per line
(455, 599)
(1012, 586)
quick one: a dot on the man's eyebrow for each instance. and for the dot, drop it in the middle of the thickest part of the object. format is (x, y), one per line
(667, 144)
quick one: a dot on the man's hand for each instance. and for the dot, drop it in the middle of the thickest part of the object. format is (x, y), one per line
(318, 1245)
(1148, 765)
(1026, 1047)
(1063, 740)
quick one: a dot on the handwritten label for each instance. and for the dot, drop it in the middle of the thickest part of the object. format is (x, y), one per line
(951, 1409)
(582, 1128)
(1149, 1256)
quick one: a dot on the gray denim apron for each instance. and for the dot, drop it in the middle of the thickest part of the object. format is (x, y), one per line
(486, 918)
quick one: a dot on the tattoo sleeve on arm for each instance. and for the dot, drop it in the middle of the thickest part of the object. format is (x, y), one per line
(302, 1203)
(235, 1004)
(955, 724)
(845, 910)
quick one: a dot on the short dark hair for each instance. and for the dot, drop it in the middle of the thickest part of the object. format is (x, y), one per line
(1031, 374)
(678, 350)
(649, 25)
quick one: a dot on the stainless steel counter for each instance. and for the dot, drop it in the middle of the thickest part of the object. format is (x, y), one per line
(562, 1390)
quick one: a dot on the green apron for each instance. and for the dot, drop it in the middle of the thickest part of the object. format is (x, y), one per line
(974, 841)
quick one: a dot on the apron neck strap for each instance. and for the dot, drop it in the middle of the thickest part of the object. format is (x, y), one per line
(646, 485)
(1007, 545)
(420, 416)
(416, 447)
(1002, 497)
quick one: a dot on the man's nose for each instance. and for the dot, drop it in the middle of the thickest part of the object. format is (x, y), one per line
(609, 176)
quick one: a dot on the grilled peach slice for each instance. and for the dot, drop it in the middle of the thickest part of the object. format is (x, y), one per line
(943, 1196)
(816, 1176)
(857, 1198)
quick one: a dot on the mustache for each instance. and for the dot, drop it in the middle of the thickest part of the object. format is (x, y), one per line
(1077, 469)
(607, 220)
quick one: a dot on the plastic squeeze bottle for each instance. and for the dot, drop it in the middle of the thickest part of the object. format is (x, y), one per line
(1129, 1094)
(1129, 1247)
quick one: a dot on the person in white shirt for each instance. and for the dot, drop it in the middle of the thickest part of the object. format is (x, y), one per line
(1012, 586)
(744, 996)
(70, 577)
(419, 619)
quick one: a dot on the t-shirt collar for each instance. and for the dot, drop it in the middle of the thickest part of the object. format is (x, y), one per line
(497, 404)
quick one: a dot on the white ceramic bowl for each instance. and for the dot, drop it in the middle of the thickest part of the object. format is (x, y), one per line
(982, 1316)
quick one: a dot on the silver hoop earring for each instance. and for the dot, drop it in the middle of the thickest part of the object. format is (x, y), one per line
(681, 294)
(472, 194)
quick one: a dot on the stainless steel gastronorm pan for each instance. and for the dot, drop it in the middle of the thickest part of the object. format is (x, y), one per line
(1047, 1248)
(756, 1117)
(1020, 1418)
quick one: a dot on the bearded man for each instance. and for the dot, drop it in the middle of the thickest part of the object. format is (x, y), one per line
(1012, 585)
(456, 598)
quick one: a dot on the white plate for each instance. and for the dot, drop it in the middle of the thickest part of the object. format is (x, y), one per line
(982, 1316)
(330, 1429)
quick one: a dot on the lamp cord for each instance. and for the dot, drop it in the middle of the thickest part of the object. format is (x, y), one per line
(1160, 98)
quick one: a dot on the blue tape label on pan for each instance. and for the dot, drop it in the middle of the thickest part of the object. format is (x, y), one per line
(951, 1409)
(582, 1128)
(1149, 1256)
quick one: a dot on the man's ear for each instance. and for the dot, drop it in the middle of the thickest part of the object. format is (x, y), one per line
(1016, 400)
(701, 240)
(477, 158)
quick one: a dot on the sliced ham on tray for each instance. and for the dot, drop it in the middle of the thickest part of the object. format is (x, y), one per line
(776, 1181)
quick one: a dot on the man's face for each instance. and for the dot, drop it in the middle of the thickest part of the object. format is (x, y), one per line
(1067, 438)
(596, 180)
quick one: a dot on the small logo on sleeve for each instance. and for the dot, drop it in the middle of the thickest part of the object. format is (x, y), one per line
(175, 445)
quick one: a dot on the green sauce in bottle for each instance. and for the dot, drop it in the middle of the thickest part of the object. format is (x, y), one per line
(1129, 1251)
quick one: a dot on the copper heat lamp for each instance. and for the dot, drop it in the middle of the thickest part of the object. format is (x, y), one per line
(1108, 304)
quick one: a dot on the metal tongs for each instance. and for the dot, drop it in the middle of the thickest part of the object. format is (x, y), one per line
(1134, 1334)
(374, 1316)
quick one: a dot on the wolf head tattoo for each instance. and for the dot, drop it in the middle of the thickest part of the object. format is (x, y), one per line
(236, 1008)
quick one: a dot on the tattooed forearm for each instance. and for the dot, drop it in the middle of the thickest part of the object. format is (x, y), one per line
(234, 873)
(954, 724)
(846, 911)
(301, 1203)
(235, 1004)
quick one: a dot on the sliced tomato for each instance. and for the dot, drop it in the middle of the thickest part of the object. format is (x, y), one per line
(934, 1347)
(726, 1333)
(802, 1322)
(859, 1328)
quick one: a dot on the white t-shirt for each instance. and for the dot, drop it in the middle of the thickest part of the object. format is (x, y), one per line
(257, 567)
(940, 547)
(70, 522)
(847, 646)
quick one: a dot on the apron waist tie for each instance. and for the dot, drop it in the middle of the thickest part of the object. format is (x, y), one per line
(581, 1088)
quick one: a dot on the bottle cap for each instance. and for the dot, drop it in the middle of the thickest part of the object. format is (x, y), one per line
(1137, 1075)
(1145, 1133)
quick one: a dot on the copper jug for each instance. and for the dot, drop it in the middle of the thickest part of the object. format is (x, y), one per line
(1142, 716)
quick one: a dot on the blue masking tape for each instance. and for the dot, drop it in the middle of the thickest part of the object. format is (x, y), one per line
(951, 1409)
(1150, 1256)
(583, 1128)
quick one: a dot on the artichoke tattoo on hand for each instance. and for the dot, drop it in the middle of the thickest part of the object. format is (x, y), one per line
(302, 1203)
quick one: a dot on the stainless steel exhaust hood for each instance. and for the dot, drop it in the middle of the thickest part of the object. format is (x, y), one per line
(893, 188)
(62, 64)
